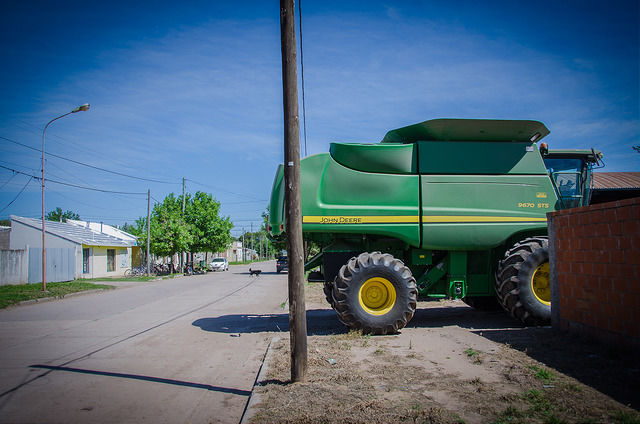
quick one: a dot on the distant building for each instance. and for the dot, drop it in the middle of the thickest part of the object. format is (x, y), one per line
(75, 249)
(611, 186)
(4, 237)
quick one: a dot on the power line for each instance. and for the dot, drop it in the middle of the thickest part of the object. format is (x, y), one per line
(92, 205)
(221, 189)
(18, 195)
(87, 165)
(8, 181)
(71, 185)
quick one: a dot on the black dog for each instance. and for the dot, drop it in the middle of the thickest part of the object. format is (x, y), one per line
(255, 272)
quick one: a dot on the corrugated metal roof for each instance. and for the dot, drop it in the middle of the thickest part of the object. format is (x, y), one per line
(616, 180)
(75, 233)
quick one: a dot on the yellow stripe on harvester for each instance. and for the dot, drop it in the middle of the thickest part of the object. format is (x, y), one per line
(464, 219)
(409, 219)
(341, 219)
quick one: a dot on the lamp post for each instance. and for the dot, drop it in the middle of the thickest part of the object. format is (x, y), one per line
(81, 108)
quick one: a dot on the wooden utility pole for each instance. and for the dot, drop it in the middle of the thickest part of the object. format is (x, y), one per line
(148, 229)
(293, 217)
(183, 203)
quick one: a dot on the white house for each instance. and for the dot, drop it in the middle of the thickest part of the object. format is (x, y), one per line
(96, 249)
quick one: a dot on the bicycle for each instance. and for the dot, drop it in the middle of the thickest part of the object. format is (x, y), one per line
(135, 272)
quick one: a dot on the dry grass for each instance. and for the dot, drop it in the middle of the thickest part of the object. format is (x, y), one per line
(389, 379)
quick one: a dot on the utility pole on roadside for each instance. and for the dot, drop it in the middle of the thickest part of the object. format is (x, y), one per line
(183, 203)
(293, 217)
(252, 249)
(148, 229)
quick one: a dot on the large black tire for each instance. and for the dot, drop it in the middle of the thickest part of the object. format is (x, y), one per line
(522, 281)
(328, 293)
(375, 293)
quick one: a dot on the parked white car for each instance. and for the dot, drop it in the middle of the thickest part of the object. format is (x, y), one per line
(219, 264)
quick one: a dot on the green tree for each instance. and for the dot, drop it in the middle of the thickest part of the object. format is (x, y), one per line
(58, 215)
(211, 233)
(138, 229)
(170, 232)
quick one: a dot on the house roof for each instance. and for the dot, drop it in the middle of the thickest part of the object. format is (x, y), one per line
(105, 229)
(616, 180)
(75, 233)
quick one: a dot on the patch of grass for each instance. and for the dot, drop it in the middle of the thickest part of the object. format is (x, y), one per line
(509, 415)
(572, 387)
(12, 294)
(378, 351)
(121, 278)
(541, 373)
(365, 340)
(239, 262)
(354, 335)
(471, 353)
(623, 417)
(554, 420)
(458, 419)
(539, 403)
(540, 409)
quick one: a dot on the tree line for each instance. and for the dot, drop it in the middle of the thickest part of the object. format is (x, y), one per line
(200, 228)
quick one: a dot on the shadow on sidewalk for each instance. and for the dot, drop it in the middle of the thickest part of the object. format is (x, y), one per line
(320, 322)
(147, 378)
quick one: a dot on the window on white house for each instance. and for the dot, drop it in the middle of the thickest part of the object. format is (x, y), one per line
(111, 260)
(85, 261)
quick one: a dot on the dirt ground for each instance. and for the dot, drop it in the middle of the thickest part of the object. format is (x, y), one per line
(451, 364)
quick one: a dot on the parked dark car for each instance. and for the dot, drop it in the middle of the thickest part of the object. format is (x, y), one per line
(282, 264)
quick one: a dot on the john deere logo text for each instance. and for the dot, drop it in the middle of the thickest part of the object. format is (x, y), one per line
(341, 220)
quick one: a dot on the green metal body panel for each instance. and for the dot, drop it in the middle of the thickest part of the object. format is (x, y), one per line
(479, 158)
(381, 158)
(341, 200)
(468, 130)
(276, 221)
(446, 196)
(476, 212)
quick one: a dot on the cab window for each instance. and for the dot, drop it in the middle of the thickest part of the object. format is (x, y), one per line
(568, 176)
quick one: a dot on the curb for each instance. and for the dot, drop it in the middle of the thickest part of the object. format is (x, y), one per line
(254, 398)
(52, 298)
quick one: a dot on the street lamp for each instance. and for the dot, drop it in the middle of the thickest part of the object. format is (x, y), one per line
(80, 108)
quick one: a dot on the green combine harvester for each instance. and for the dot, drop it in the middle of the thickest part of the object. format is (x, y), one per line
(447, 208)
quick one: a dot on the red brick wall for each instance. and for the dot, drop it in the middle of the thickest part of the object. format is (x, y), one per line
(595, 270)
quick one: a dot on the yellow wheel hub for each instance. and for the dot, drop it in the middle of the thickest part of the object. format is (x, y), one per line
(540, 284)
(377, 296)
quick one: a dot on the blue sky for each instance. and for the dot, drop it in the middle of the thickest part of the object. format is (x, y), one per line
(194, 90)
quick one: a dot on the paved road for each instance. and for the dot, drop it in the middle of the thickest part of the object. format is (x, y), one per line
(175, 351)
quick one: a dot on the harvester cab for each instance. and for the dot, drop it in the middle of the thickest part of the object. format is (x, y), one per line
(571, 174)
(447, 208)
